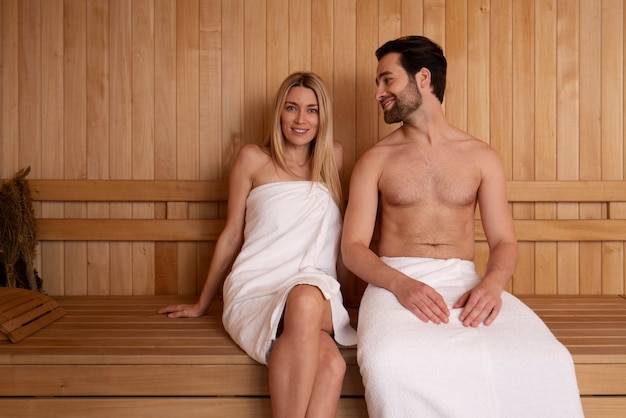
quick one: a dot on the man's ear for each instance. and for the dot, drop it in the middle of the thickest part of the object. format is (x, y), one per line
(422, 77)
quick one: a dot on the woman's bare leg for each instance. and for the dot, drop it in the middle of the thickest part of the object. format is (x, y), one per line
(329, 380)
(295, 361)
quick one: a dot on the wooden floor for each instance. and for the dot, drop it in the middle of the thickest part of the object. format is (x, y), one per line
(115, 356)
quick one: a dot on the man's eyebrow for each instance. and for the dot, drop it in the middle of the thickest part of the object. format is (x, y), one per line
(384, 73)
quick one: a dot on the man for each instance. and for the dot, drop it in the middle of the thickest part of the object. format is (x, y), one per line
(434, 338)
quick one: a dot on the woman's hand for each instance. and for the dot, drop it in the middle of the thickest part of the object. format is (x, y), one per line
(182, 311)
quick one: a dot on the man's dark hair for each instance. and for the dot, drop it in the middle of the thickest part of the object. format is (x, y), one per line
(417, 52)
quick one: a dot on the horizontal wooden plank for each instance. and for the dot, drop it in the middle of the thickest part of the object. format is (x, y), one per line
(551, 230)
(566, 191)
(216, 190)
(148, 380)
(607, 379)
(129, 190)
(129, 229)
(604, 406)
(199, 407)
(189, 407)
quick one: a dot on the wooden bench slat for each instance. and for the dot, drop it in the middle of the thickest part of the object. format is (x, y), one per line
(217, 190)
(129, 229)
(193, 407)
(566, 191)
(129, 190)
(548, 230)
(576, 230)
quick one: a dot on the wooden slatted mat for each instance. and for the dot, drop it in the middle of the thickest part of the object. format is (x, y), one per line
(24, 312)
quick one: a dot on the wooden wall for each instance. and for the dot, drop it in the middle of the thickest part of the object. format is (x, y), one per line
(165, 90)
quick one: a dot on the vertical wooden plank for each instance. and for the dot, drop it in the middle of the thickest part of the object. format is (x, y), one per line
(75, 121)
(28, 135)
(456, 54)
(187, 138)
(545, 134)
(165, 90)
(344, 77)
(612, 85)
(165, 127)
(232, 79)
(500, 81)
(51, 253)
(277, 48)
(29, 87)
(478, 78)
(210, 75)
(98, 280)
(412, 17)
(389, 27)
(435, 21)
(210, 114)
(367, 41)
(143, 134)
(523, 158)
(322, 18)
(621, 209)
(9, 88)
(590, 134)
(568, 62)
(166, 268)
(188, 144)
(254, 80)
(365, 116)
(120, 135)
(299, 35)
(183, 255)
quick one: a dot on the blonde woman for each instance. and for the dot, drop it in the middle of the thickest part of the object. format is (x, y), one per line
(277, 254)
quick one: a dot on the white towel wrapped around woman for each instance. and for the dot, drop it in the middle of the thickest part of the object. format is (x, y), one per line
(514, 367)
(291, 236)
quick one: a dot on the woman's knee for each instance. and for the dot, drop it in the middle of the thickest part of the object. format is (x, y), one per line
(331, 357)
(305, 303)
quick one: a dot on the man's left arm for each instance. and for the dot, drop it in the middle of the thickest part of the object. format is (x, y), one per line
(483, 303)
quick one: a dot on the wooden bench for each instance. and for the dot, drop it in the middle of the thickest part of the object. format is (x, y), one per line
(114, 356)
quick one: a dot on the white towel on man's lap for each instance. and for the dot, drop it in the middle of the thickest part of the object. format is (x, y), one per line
(514, 367)
(291, 237)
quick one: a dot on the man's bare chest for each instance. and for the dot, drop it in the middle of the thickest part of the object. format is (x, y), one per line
(419, 184)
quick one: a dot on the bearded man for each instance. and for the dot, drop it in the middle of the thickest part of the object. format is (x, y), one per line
(434, 338)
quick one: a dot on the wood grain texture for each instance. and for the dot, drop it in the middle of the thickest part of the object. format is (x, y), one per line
(170, 90)
(114, 355)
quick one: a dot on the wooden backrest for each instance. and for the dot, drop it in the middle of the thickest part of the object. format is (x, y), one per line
(603, 192)
(563, 249)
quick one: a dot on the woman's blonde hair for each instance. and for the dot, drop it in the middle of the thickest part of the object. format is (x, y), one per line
(324, 166)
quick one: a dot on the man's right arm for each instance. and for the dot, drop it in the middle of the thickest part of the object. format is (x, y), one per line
(358, 229)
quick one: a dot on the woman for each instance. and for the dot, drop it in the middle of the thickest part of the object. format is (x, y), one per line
(282, 301)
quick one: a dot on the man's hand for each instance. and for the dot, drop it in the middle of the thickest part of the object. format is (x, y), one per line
(424, 301)
(480, 304)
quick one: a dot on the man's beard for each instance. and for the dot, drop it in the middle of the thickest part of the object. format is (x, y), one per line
(407, 102)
